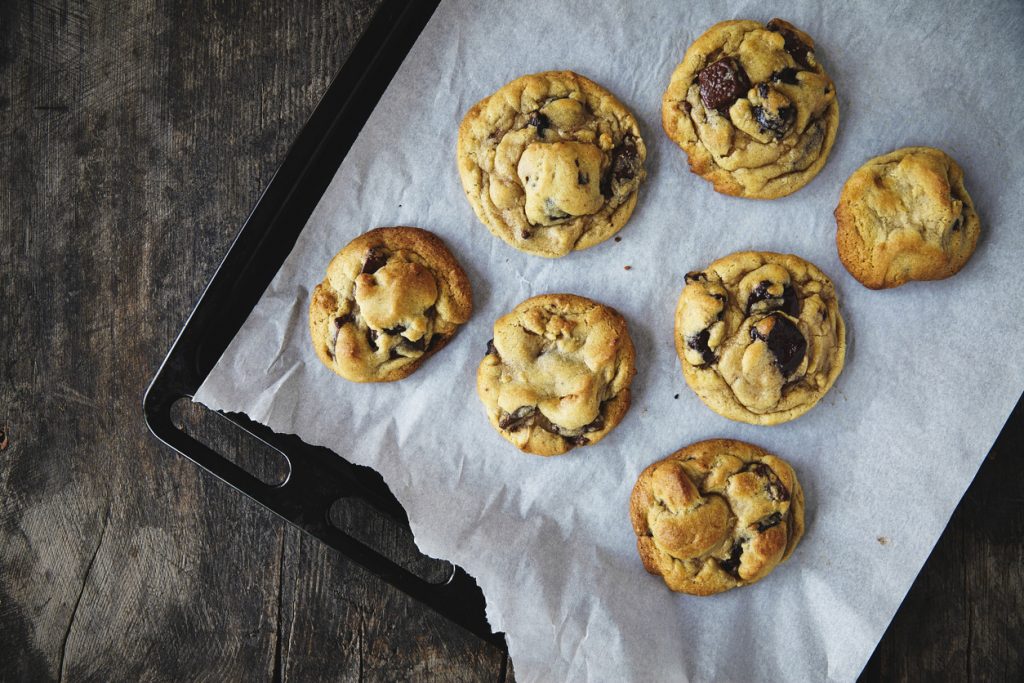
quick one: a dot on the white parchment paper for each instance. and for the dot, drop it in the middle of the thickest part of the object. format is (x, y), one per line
(930, 373)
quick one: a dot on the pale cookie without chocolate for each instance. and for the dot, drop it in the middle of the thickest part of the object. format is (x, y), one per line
(760, 336)
(551, 162)
(753, 108)
(392, 298)
(716, 515)
(557, 373)
(906, 216)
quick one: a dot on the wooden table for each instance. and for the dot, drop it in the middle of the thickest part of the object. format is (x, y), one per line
(133, 142)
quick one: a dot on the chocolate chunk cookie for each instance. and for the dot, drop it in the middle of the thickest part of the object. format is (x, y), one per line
(753, 108)
(760, 336)
(716, 515)
(551, 163)
(906, 216)
(557, 373)
(392, 298)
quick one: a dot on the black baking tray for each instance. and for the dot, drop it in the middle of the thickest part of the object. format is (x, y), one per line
(317, 477)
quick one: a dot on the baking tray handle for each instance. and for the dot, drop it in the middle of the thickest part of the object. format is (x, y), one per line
(315, 482)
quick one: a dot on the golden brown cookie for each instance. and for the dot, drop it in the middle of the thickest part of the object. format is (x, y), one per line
(557, 373)
(551, 162)
(716, 515)
(392, 298)
(753, 108)
(906, 216)
(760, 336)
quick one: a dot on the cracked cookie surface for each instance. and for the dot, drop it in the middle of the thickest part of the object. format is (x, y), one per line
(392, 298)
(906, 215)
(753, 108)
(760, 336)
(557, 373)
(716, 515)
(551, 162)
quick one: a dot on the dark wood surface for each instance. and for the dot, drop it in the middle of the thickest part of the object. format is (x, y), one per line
(133, 142)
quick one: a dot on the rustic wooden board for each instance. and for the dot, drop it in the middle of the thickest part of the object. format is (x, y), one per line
(133, 142)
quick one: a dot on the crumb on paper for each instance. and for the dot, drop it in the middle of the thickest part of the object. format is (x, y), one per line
(883, 540)
(618, 239)
(628, 267)
(676, 396)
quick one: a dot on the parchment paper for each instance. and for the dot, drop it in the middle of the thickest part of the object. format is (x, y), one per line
(930, 373)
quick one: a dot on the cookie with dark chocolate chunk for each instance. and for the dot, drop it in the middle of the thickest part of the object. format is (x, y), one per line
(551, 163)
(752, 107)
(759, 336)
(392, 298)
(557, 373)
(716, 515)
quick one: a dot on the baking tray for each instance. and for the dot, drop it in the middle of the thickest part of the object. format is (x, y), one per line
(317, 477)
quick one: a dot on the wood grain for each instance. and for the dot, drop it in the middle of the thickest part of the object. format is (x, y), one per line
(134, 141)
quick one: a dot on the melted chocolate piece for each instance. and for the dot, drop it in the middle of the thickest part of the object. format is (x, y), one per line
(517, 419)
(797, 48)
(732, 565)
(787, 76)
(397, 329)
(699, 343)
(540, 122)
(789, 303)
(624, 166)
(491, 350)
(785, 342)
(375, 260)
(371, 338)
(582, 178)
(342, 320)
(722, 83)
(768, 522)
(777, 123)
(775, 489)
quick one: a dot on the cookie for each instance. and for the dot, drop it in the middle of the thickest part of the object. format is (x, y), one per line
(392, 298)
(551, 163)
(716, 515)
(906, 216)
(760, 336)
(753, 108)
(556, 375)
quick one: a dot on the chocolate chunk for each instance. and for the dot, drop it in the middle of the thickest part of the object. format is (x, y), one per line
(784, 340)
(789, 303)
(341, 321)
(722, 83)
(596, 425)
(768, 522)
(431, 313)
(540, 122)
(578, 440)
(958, 223)
(582, 178)
(732, 565)
(517, 419)
(797, 48)
(418, 345)
(371, 338)
(762, 89)
(786, 75)
(699, 343)
(774, 487)
(397, 329)
(375, 260)
(491, 350)
(777, 122)
(624, 166)
(394, 354)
